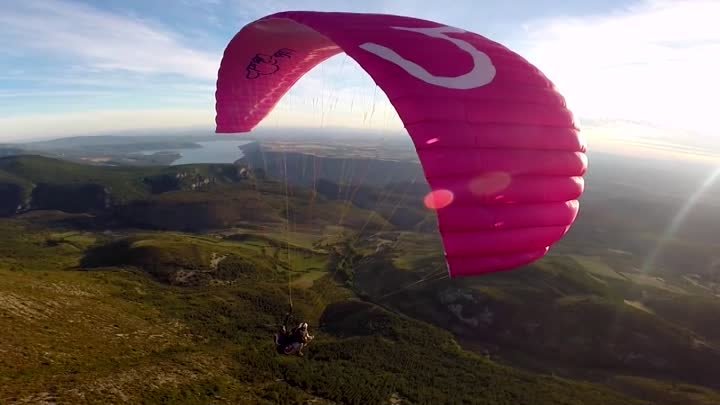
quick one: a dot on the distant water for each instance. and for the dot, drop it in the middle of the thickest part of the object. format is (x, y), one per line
(211, 152)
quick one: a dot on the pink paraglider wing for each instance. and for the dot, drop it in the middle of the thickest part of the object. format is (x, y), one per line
(497, 144)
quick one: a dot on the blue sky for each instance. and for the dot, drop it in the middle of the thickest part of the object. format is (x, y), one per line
(72, 67)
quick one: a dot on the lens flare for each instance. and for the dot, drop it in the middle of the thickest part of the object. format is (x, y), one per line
(438, 199)
(490, 183)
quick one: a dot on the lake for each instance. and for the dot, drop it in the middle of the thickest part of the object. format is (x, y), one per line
(211, 152)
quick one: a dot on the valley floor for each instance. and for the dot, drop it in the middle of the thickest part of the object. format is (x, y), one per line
(79, 330)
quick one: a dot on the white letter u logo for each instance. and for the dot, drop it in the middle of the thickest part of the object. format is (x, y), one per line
(481, 74)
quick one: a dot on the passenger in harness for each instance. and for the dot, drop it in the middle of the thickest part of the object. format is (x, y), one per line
(293, 342)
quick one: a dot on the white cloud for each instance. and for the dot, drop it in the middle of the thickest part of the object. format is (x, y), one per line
(101, 40)
(13, 94)
(632, 139)
(35, 126)
(657, 62)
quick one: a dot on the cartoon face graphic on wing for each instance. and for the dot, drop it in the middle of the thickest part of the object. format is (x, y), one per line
(262, 64)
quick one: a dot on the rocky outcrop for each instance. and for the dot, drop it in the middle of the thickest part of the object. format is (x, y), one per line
(306, 169)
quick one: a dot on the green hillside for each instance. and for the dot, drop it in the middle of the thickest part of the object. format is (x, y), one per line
(121, 183)
(172, 295)
(124, 182)
(210, 342)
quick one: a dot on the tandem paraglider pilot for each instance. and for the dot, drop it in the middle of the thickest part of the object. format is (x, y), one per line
(294, 341)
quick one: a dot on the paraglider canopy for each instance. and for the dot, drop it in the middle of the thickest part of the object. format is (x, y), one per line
(497, 144)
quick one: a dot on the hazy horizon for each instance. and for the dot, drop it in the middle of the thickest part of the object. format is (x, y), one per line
(642, 141)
